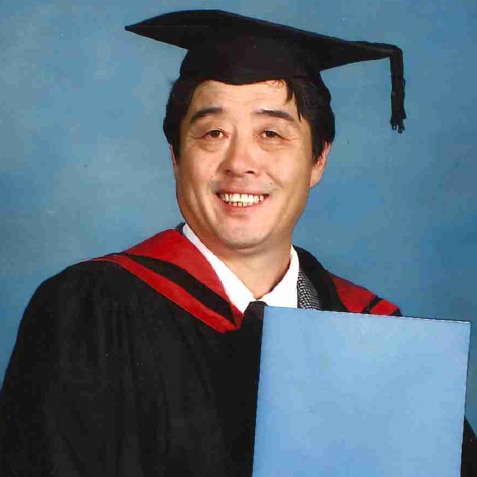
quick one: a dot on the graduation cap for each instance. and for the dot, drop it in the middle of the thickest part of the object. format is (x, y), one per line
(235, 49)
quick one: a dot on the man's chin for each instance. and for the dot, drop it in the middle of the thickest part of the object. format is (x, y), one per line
(241, 241)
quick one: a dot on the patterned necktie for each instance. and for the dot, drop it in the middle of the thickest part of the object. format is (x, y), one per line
(307, 295)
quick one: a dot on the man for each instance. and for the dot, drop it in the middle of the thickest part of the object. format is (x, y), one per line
(145, 362)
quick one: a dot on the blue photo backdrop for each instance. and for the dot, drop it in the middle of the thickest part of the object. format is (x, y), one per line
(85, 169)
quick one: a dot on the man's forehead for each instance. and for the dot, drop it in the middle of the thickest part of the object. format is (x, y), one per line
(255, 96)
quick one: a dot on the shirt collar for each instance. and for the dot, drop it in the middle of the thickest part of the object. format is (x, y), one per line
(284, 293)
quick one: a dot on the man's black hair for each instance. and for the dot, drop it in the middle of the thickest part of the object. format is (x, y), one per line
(313, 104)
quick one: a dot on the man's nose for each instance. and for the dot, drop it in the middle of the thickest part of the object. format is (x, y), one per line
(241, 157)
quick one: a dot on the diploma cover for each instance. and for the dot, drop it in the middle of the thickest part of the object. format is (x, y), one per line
(343, 394)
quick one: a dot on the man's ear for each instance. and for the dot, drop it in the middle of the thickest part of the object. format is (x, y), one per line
(175, 162)
(319, 165)
(173, 156)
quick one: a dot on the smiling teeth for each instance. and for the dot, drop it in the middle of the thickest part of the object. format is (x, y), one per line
(241, 200)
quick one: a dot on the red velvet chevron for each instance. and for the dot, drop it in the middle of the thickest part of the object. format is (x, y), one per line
(360, 300)
(184, 276)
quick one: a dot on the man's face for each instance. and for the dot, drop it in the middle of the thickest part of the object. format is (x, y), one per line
(245, 168)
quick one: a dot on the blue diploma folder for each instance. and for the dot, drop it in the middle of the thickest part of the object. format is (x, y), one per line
(352, 395)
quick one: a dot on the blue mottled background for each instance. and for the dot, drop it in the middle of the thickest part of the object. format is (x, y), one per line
(85, 169)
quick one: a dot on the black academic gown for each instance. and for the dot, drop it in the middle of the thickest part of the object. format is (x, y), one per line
(137, 365)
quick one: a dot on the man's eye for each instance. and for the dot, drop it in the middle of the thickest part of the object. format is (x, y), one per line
(270, 134)
(215, 134)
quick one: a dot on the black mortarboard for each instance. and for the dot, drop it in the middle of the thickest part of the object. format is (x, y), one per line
(239, 50)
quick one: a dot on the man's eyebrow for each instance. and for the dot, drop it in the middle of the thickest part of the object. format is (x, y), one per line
(277, 113)
(201, 113)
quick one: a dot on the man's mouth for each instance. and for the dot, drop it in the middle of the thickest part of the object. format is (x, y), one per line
(241, 200)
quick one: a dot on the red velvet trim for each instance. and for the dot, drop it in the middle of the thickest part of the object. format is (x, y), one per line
(173, 291)
(356, 298)
(384, 308)
(171, 246)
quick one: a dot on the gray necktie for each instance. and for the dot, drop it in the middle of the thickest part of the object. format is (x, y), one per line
(307, 295)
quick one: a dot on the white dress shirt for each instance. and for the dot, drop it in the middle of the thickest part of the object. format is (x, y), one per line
(283, 294)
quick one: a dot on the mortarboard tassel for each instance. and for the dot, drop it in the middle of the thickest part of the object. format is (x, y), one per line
(398, 114)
